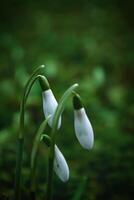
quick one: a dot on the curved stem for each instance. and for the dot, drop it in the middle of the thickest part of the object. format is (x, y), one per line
(27, 89)
(57, 114)
(26, 92)
(19, 155)
(35, 152)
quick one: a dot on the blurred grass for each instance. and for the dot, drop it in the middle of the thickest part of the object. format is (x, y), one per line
(89, 42)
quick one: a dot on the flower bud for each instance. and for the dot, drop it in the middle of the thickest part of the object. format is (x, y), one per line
(49, 102)
(60, 165)
(82, 125)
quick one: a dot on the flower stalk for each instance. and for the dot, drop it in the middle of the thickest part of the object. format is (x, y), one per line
(19, 155)
(34, 154)
(56, 117)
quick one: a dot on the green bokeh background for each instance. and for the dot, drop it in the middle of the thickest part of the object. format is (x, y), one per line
(89, 42)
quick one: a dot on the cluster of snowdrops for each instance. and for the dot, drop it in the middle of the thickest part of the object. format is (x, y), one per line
(53, 117)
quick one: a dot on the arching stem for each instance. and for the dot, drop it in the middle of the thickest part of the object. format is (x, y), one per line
(34, 154)
(19, 155)
(57, 114)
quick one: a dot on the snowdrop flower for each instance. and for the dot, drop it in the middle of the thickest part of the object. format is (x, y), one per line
(82, 125)
(49, 102)
(60, 165)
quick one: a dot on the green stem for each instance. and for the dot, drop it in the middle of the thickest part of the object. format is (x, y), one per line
(57, 114)
(35, 152)
(80, 190)
(26, 92)
(19, 156)
(18, 167)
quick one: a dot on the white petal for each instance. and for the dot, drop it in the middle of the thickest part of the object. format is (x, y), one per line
(49, 106)
(60, 165)
(83, 129)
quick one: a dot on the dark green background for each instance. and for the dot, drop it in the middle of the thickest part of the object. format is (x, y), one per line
(89, 42)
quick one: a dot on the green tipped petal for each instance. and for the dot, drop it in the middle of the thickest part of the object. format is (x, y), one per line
(46, 139)
(77, 103)
(43, 83)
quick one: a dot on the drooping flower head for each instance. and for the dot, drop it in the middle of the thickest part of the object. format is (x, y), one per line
(60, 165)
(82, 125)
(49, 101)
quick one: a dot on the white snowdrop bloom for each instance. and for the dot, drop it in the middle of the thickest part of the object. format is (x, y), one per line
(60, 165)
(49, 101)
(82, 125)
(49, 106)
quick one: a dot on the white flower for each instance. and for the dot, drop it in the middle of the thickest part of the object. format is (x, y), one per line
(49, 106)
(60, 165)
(83, 128)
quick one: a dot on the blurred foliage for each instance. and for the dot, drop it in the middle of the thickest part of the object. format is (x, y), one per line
(89, 42)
